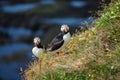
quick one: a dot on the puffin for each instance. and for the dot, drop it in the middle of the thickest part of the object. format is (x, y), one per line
(38, 48)
(61, 40)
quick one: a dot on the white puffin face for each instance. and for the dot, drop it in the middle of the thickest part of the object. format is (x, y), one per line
(36, 40)
(64, 28)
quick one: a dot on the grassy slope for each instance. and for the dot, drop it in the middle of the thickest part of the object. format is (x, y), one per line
(91, 55)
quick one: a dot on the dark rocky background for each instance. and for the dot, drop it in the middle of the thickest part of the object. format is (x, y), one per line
(22, 20)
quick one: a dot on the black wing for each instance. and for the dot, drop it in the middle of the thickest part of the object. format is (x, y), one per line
(58, 38)
(57, 45)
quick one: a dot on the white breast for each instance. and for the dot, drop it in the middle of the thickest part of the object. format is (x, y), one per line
(67, 37)
(37, 51)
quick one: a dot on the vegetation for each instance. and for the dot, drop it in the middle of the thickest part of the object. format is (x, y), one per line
(91, 55)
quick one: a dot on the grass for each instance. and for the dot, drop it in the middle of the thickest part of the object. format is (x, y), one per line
(90, 55)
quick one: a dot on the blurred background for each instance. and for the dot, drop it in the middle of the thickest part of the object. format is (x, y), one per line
(22, 20)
